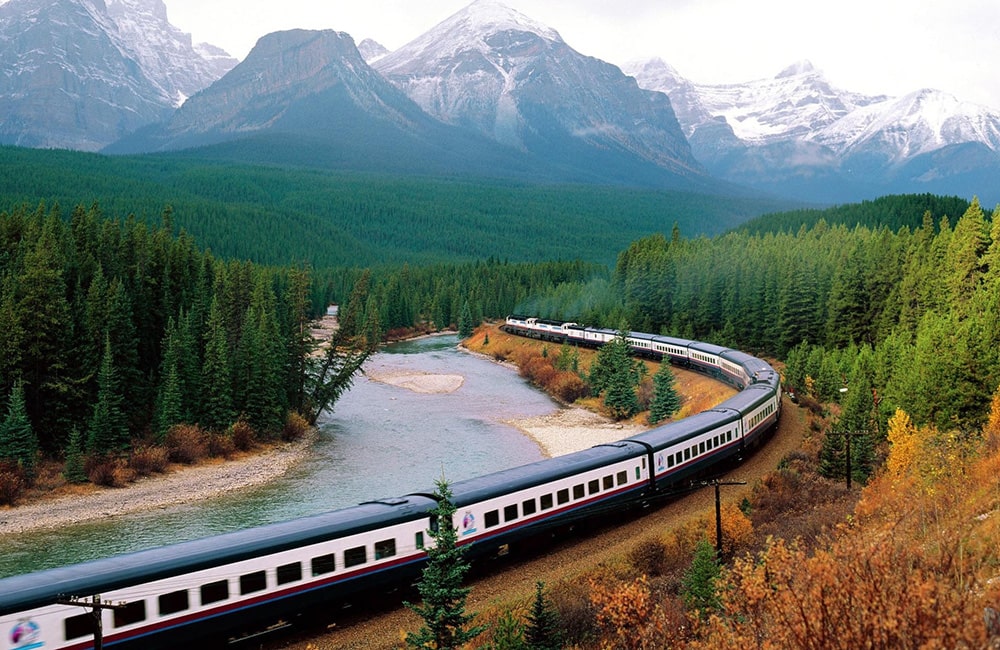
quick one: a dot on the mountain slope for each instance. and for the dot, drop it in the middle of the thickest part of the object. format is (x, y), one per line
(308, 98)
(516, 81)
(80, 74)
(796, 134)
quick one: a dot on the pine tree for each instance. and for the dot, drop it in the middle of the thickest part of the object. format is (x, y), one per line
(666, 401)
(698, 587)
(217, 402)
(108, 431)
(446, 625)
(542, 631)
(616, 375)
(18, 442)
(73, 470)
(465, 324)
(508, 633)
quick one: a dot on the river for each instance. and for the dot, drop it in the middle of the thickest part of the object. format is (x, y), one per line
(379, 441)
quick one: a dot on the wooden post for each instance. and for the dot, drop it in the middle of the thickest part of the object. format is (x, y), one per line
(97, 610)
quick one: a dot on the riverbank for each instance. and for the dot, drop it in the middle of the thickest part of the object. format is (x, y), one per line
(182, 485)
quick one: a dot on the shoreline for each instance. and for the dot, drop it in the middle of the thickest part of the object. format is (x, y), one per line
(180, 486)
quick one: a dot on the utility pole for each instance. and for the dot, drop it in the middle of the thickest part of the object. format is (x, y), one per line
(718, 512)
(97, 607)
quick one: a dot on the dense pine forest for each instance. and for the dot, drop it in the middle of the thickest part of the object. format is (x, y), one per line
(281, 215)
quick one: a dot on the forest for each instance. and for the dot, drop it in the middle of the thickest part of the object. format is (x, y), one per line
(285, 215)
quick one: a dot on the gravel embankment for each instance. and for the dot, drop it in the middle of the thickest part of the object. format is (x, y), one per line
(183, 485)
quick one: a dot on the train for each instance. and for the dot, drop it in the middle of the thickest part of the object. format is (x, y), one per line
(210, 590)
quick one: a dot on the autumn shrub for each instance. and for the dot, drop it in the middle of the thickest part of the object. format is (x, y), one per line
(12, 483)
(109, 471)
(568, 386)
(737, 530)
(648, 556)
(571, 602)
(221, 445)
(243, 436)
(186, 443)
(148, 459)
(295, 427)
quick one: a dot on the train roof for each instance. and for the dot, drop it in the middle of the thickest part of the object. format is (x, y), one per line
(750, 397)
(44, 587)
(709, 348)
(690, 427)
(672, 340)
(479, 488)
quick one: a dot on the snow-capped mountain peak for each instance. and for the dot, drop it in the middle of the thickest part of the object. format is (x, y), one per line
(796, 69)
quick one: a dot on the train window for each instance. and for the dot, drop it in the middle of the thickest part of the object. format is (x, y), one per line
(593, 487)
(213, 592)
(419, 542)
(687, 454)
(78, 626)
(562, 496)
(175, 601)
(289, 573)
(385, 548)
(130, 614)
(528, 507)
(492, 518)
(638, 474)
(578, 492)
(253, 582)
(670, 460)
(545, 501)
(355, 556)
(701, 447)
(324, 564)
(622, 478)
(510, 512)
(716, 441)
(609, 482)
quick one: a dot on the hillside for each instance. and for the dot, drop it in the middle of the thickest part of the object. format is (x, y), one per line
(279, 215)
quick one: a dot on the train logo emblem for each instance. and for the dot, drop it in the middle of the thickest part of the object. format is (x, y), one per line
(660, 464)
(25, 635)
(468, 523)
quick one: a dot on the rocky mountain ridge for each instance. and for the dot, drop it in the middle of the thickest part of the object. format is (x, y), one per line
(796, 133)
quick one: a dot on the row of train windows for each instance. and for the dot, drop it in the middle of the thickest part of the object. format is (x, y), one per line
(561, 497)
(700, 448)
(766, 411)
(705, 358)
(218, 591)
(674, 351)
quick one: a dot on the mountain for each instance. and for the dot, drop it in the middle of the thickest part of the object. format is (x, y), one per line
(796, 134)
(308, 98)
(514, 80)
(371, 51)
(165, 53)
(79, 74)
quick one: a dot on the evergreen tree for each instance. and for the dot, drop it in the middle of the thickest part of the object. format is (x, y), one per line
(73, 470)
(446, 625)
(616, 375)
(698, 587)
(465, 324)
(542, 631)
(508, 633)
(666, 401)
(217, 401)
(18, 442)
(108, 431)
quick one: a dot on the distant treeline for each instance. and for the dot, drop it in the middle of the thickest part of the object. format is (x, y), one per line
(282, 215)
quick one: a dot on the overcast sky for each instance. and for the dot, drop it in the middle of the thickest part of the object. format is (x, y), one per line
(871, 46)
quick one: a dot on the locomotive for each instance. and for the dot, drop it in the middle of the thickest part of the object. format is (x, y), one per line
(212, 589)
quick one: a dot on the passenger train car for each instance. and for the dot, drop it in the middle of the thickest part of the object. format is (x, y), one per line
(214, 588)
